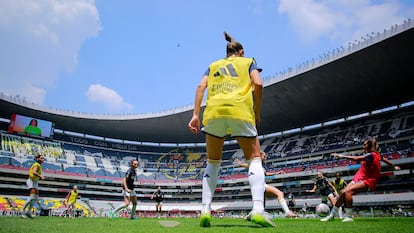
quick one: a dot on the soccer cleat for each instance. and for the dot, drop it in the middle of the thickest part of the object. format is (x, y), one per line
(290, 214)
(327, 218)
(262, 219)
(23, 215)
(205, 219)
(348, 219)
(111, 215)
(27, 214)
(134, 217)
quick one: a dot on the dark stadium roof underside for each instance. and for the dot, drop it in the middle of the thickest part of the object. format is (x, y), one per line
(378, 76)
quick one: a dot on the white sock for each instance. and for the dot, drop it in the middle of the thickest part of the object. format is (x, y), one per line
(257, 183)
(340, 212)
(333, 211)
(348, 212)
(209, 183)
(120, 208)
(283, 203)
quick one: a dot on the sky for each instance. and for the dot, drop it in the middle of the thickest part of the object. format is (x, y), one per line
(135, 57)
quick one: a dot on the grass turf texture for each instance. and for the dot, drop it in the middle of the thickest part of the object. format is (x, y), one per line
(142, 225)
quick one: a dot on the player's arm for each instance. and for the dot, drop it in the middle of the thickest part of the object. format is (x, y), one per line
(124, 182)
(274, 173)
(311, 190)
(195, 123)
(345, 184)
(389, 163)
(355, 158)
(333, 188)
(68, 196)
(245, 165)
(257, 93)
(36, 173)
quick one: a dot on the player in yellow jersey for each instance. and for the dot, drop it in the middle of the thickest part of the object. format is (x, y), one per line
(35, 173)
(339, 185)
(71, 198)
(232, 108)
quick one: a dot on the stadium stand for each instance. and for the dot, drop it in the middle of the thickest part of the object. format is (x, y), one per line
(96, 165)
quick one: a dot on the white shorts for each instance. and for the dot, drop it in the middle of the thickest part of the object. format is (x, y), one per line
(32, 184)
(129, 194)
(220, 127)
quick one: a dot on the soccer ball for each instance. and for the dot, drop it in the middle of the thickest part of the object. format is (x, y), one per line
(322, 210)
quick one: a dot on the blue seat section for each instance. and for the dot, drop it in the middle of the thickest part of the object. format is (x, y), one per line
(51, 166)
(99, 162)
(5, 160)
(78, 170)
(174, 162)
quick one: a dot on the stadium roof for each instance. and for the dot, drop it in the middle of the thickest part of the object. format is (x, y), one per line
(368, 75)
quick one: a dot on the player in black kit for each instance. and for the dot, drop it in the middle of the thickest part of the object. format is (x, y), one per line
(159, 198)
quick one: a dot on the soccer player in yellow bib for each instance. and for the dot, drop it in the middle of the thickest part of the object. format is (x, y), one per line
(339, 185)
(35, 173)
(71, 201)
(232, 108)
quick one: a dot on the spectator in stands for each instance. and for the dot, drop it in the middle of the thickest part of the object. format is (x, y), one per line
(71, 198)
(35, 173)
(159, 198)
(270, 190)
(232, 107)
(365, 179)
(326, 189)
(128, 191)
(32, 128)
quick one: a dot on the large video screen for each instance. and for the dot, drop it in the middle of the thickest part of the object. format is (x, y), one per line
(30, 126)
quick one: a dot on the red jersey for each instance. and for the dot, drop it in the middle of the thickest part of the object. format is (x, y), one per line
(370, 169)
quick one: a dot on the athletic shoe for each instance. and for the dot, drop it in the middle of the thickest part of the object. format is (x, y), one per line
(348, 219)
(134, 217)
(111, 215)
(205, 219)
(290, 214)
(327, 218)
(262, 219)
(27, 214)
(23, 215)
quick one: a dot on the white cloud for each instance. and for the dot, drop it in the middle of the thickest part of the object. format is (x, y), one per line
(39, 40)
(97, 93)
(308, 18)
(340, 20)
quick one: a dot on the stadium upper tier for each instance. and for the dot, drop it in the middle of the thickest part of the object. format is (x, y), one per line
(367, 75)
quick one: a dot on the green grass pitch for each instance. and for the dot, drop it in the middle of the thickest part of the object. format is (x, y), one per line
(142, 225)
